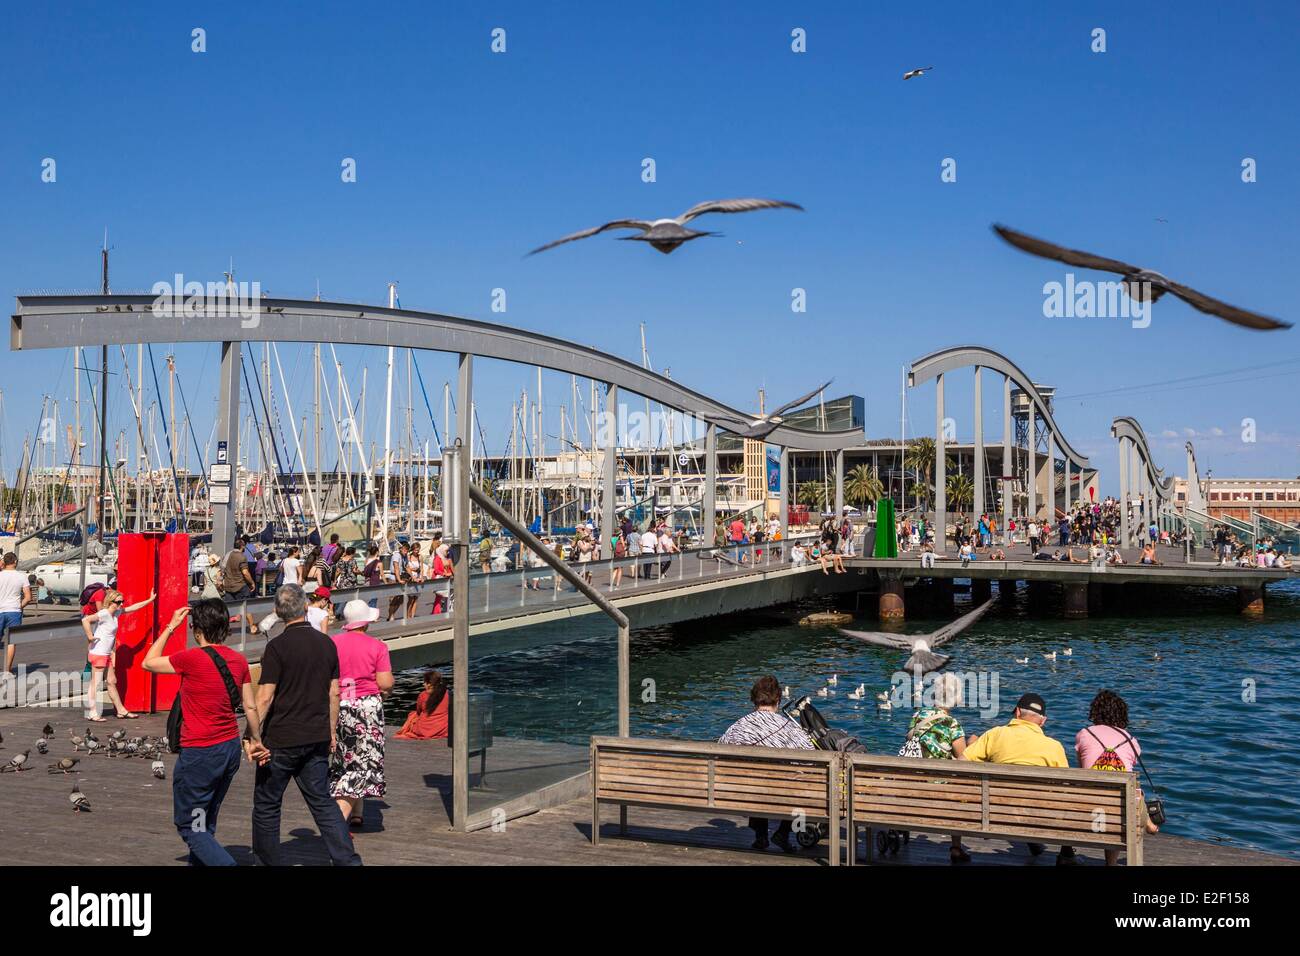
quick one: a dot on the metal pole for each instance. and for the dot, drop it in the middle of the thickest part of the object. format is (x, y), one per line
(940, 478)
(609, 490)
(1031, 474)
(1123, 493)
(839, 484)
(223, 515)
(978, 503)
(1008, 466)
(710, 515)
(460, 596)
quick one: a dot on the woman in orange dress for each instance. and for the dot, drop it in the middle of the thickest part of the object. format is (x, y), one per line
(429, 719)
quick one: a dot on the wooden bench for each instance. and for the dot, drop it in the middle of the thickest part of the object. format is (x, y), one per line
(1090, 808)
(800, 785)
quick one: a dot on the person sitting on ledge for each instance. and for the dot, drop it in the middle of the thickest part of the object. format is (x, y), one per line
(1149, 555)
(927, 555)
(429, 719)
(766, 726)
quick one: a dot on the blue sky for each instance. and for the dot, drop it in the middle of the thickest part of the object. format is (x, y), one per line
(466, 159)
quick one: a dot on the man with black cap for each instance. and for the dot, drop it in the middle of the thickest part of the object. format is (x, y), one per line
(1022, 743)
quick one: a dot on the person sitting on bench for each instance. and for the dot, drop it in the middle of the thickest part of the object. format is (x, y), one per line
(1022, 743)
(766, 726)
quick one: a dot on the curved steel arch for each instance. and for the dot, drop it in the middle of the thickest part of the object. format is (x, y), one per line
(64, 321)
(972, 356)
(1126, 427)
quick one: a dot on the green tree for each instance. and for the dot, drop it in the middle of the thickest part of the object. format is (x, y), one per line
(863, 486)
(960, 492)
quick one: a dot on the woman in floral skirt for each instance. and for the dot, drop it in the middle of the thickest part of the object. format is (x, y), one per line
(365, 677)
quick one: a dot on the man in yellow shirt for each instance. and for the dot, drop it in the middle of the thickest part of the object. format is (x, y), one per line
(1022, 743)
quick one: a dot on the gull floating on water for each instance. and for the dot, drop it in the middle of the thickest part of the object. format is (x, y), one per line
(823, 692)
(1068, 652)
(667, 234)
(1051, 656)
(1135, 276)
(833, 680)
(1022, 660)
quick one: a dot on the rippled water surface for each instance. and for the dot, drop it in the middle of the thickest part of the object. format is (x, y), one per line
(1226, 766)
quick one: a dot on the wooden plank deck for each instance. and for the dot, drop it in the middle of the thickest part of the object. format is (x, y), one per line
(130, 823)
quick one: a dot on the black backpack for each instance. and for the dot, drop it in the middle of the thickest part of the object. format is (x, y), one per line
(174, 718)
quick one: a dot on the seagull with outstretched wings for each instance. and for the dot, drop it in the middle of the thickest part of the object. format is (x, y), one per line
(914, 73)
(922, 657)
(764, 425)
(667, 234)
(1140, 284)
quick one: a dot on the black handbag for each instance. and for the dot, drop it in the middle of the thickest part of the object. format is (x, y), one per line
(175, 718)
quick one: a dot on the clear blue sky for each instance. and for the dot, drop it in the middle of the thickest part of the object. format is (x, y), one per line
(466, 159)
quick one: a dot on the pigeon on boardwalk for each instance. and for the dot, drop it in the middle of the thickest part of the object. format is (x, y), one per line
(47, 731)
(63, 766)
(78, 800)
(159, 769)
(1140, 283)
(921, 72)
(92, 745)
(15, 763)
(118, 735)
(667, 234)
(42, 746)
(762, 426)
(77, 742)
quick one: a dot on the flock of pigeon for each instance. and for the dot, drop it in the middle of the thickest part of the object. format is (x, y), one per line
(148, 747)
(666, 235)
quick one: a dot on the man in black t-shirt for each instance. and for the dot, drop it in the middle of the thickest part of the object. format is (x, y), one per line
(298, 701)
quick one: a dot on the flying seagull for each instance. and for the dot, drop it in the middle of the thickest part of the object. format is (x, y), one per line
(1135, 276)
(923, 658)
(764, 425)
(921, 72)
(667, 234)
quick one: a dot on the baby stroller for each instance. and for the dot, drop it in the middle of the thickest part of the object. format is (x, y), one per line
(824, 737)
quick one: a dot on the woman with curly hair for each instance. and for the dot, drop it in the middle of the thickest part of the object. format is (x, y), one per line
(1107, 745)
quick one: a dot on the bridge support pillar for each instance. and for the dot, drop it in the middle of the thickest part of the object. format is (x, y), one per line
(891, 596)
(981, 589)
(943, 595)
(1006, 589)
(709, 531)
(223, 514)
(1250, 600)
(609, 476)
(1076, 599)
(1096, 598)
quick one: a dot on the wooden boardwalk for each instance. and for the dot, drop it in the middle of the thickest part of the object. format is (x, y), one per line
(130, 823)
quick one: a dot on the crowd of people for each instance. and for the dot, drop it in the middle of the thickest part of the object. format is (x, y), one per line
(935, 733)
(316, 718)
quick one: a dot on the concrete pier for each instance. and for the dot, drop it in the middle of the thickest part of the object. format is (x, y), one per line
(891, 597)
(1250, 600)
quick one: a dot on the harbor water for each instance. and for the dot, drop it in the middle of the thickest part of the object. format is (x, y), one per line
(1214, 697)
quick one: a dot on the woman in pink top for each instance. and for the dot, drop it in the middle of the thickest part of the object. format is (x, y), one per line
(1107, 745)
(365, 676)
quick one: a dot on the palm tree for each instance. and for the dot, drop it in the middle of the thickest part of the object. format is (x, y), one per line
(920, 458)
(815, 494)
(960, 491)
(863, 486)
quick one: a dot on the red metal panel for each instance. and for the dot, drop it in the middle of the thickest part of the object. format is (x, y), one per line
(136, 560)
(173, 592)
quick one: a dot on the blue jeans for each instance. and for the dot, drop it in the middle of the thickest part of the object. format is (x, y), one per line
(307, 766)
(200, 780)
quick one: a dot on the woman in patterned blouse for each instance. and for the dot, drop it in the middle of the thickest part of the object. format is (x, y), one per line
(766, 726)
(941, 737)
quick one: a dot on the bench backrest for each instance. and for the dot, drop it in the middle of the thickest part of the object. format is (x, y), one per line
(757, 781)
(1077, 807)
